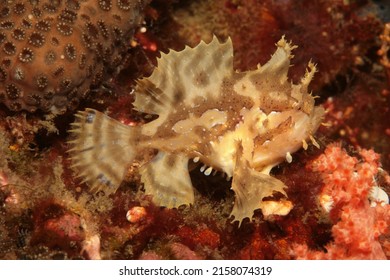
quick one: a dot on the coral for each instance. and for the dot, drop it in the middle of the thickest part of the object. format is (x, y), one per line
(45, 213)
(358, 227)
(37, 207)
(54, 52)
(56, 227)
(356, 112)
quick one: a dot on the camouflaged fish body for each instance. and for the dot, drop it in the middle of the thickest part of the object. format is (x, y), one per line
(240, 123)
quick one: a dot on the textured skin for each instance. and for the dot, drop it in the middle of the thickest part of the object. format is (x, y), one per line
(242, 124)
(53, 52)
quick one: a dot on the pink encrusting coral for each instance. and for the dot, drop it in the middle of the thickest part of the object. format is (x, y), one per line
(358, 225)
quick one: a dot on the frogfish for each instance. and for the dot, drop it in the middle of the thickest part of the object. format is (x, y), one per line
(239, 123)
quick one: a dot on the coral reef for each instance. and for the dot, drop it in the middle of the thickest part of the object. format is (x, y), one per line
(54, 52)
(337, 191)
(359, 227)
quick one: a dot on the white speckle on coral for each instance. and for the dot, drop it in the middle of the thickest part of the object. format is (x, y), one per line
(281, 208)
(136, 214)
(326, 202)
(91, 246)
(378, 196)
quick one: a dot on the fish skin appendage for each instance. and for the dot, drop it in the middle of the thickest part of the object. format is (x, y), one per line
(239, 123)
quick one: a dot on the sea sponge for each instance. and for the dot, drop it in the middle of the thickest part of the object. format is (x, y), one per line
(53, 52)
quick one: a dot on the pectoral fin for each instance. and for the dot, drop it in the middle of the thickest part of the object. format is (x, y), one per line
(166, 178)
(250, 187)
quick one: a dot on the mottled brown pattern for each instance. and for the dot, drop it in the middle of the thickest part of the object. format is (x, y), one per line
(240, 123)
(260, 139)
(201, 79)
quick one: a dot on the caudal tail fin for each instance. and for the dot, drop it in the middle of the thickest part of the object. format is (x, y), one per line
(101, 149)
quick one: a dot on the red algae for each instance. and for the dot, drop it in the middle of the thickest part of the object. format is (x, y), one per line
(182, 252)
(333, 34)
(198, 237)
(46, 213)
(58, 227)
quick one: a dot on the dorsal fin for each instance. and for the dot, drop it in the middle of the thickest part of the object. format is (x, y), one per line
(182, 76)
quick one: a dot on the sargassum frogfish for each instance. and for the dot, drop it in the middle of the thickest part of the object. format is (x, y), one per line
(239, 123)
